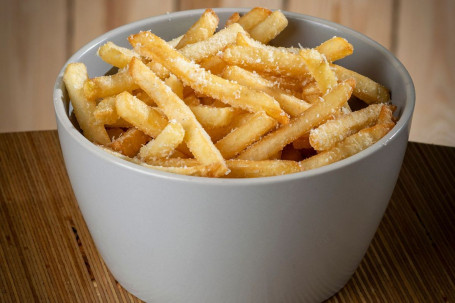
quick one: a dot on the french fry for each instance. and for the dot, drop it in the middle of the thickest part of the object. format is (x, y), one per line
(288, 103)
(105, 111)
(319, 68)
(147, 119)
(212, 45)
(254, 17)
(204, 82)
(196, 137)
(265, 60)
(141, 95)
(130, 142)
(238, 120)
(349, 146)
(105, 86)
(298, 126)
(366, 89)
(289, 152)
(114, 132)
(264, 168)
(335, 48)
(74, 77)
(302, 142)
(212, 117)
(234, 18)
(164, 145)
(116, 55)
(203, 28)
(241, 137)
(175, 84)
(268, 29)
(333, 131)
(214, 64)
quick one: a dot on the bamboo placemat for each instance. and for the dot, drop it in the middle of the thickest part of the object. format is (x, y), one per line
(47, 254)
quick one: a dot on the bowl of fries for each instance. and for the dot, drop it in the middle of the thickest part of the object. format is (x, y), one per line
(235, 155)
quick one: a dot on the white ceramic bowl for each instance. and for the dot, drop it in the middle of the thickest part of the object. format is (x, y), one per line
(293, 238)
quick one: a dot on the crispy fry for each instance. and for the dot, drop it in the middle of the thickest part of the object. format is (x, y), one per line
(254, 17)
(288, 103)
(366, 89)
(214, 64)
(105, 86)
(116, 55)
(147, 119)
(105, 112)
(333, 131)
(319, 68)
(300, 125)
(129, 142)
(234, 18)
(335, 48)
(265, 60)
(212, 117)
(203, 28)
(114, 132)
(211, 46)
(204, 82)
(268, 29)
(196, 137)
(349, 146)
(74, 77)
(241, 137)
(175, 84)
(264, 168)
(164, 145)
(302, 142)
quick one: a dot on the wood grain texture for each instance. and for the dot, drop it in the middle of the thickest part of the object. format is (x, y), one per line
(33, 50)
(370, 17)
(425, 45)
(93, 18)
(47, 254)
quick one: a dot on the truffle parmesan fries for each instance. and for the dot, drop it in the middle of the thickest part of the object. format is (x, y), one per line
(226, 104)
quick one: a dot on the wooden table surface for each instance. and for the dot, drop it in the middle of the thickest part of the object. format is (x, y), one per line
(47, 254)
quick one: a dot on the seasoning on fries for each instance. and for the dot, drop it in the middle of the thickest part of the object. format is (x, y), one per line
(227, 104)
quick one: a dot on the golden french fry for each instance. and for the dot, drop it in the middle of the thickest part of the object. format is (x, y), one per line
(114, 132)
(241, 137)
(349, 146)
(254, 17)
(141, 95)
(105, 86)
(74, 77)
(147, 119)
(212, 117)
(264, 168)
(105, 111)
(265, 60)
(289, 152)
(268, 29)
(335, 48)
(238, 120)
(173, 43)
(319, 68)
(212, 45)
(302, 143)
(214, 64)
(129, 142)
(333, 131)
(234, 18)
(173, 107)
(116, 55)
(175, 84)
(366, 89)
(298, 126)
(288, 103)
(164, 145)
(203, 28)
(204, 82)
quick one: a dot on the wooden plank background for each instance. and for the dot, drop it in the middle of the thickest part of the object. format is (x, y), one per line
(39, 35)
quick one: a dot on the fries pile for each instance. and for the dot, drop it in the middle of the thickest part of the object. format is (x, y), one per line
(225, 103)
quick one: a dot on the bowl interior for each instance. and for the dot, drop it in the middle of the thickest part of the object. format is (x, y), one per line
(369, 58)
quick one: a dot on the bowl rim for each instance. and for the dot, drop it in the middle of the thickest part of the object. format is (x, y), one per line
(75, 135)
